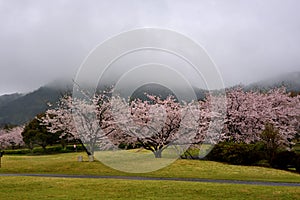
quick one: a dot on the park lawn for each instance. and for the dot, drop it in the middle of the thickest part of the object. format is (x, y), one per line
(24, 188)
(67, 164)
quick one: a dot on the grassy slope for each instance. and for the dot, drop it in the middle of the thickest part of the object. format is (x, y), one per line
(57, 188)
(64, 188)
(67, 164)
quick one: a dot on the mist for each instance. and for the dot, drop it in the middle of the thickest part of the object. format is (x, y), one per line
(248, 41)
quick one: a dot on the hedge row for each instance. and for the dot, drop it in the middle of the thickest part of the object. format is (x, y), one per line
(237, 153)
(49, 150)
(253, 154)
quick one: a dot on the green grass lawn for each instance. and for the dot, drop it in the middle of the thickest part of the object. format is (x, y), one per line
(64, 188)
(82, 188)
(67, 164)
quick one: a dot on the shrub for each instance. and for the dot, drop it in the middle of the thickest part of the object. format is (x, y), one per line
(284, 159)
(263, 163)
(18, 151)
(297, 162)
(236, 153)
(49, 150)
(129, 145)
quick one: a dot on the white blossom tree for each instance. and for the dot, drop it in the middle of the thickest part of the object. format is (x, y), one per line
(159, 123)
(11, 137)
(88, 121)
(156, 124)
(249, 112)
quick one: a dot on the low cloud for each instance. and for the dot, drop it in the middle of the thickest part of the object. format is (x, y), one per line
(44, 40)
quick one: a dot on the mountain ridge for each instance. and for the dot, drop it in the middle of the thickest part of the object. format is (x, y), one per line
(20, 108)
(289, 80)
(26, 107)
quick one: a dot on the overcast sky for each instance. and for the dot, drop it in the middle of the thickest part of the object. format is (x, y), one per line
(41, 40)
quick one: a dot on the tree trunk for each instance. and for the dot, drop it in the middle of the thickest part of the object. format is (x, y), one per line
(88, 153)
(157, 153)
(44, 148)
(91, 158)
(63, 144)
(30, 146)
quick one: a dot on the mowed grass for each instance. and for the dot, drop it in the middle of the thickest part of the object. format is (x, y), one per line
(68, 164)
(83, 188)
(23, 188)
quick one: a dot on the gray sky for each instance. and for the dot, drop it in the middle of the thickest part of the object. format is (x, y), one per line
(41, 40)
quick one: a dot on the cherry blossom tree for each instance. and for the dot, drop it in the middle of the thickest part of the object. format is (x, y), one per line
(212, 113)
(108, 121)
(156, 124)
(102, 121)
(11, 137)
(87, 120)
(248, 112)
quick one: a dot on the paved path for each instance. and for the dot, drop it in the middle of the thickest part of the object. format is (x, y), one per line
(159, 179)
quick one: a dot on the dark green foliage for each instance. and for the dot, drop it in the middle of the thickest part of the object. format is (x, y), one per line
(41, 151)
(236, 153)
(129, 146)
(284, 159)
(297, 162)
(271, 138)
(263, 163)
(253, 154)
(29, 137)
(35, 133)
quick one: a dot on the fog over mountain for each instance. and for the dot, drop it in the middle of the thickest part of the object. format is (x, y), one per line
(290, 80)
(44, 40)
(20, 108)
